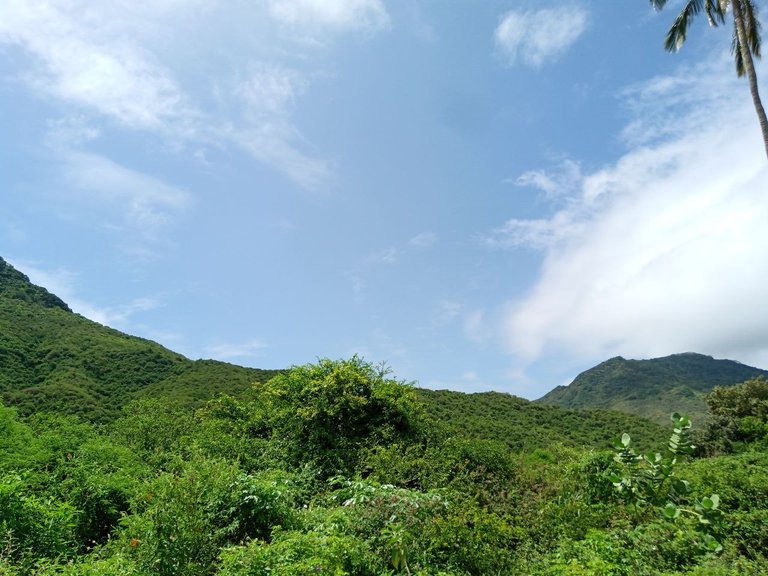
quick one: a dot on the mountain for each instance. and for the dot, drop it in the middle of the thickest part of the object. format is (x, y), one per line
(652, 388)
(52, 359)
(16, 286)
(525, 426)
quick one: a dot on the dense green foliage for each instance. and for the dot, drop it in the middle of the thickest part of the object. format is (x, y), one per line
(336, 468)
(650, 388)
(524, 425)
(739, 416)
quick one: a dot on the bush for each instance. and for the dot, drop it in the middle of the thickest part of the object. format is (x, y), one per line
(327, 413)
(32, 526)
(185, 519)
(293, 553)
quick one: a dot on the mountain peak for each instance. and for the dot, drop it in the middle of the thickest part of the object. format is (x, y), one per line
(16, 286)
(652, 388)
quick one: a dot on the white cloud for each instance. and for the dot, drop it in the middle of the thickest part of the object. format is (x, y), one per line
(144, 200)
(115, 61)
(267, 130)
(553, 183)
(226, 351)
(539, 36)
(666, 250)
(333, 15)
(537, 233)
(72, 62)
(141, 206)
(423, 240)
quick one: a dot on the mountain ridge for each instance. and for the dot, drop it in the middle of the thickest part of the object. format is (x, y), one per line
(651, 388)
(54, 360)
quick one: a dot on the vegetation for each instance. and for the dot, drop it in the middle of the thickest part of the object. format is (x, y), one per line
(739, 416)
(141, 462)
(52, 360)
(649, 388)
(336, 468)
(745, 44)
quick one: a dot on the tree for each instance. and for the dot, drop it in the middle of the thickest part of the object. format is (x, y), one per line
(324, 414)
(745, 45)
(738, 416)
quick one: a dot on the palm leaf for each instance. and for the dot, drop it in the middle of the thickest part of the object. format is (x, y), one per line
(737, 55)
(715, 10)
(751, 26)
(677, 33)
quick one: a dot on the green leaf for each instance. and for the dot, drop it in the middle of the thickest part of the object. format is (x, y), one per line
(682, 487)
(671, 511)
(710, 543)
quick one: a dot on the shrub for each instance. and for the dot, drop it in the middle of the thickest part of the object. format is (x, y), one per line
(185, 519)
(293, 553)
(32, 526)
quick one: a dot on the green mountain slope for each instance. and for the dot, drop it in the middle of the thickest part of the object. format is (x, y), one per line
(525, 425)
(651, 388)
(16, 286)
(52, 359)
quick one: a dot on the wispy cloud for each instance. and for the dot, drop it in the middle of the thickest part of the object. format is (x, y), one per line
(318, 16)
(537, 233)
(423, 240)
(537, 37)
(109, 61)
(386, 256)
(267, 130)
(135, 201)
(666, 250)
(228, 350)
(562, 181)
(74, 63)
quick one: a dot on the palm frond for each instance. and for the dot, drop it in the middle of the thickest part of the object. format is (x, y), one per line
(737, 55)
(677, 33)
(715, 10)
(751, 26)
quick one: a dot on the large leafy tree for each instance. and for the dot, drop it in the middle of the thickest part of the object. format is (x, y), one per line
(745, 45)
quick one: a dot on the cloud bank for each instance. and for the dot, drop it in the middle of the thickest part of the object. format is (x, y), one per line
(666, 250)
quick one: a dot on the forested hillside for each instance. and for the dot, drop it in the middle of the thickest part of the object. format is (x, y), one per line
(649, 388)
(54, 360)
(525, 425)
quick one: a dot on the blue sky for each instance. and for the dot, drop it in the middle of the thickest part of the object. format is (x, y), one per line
(483, 195)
